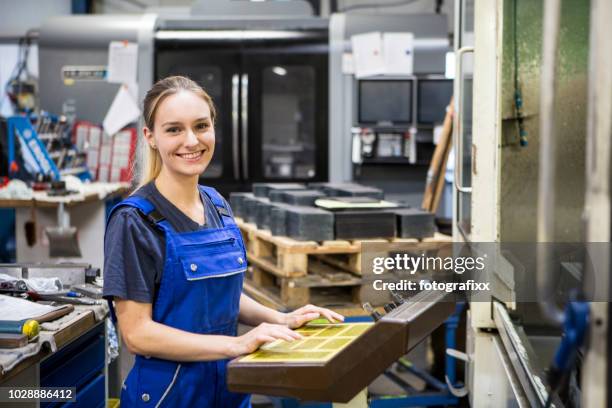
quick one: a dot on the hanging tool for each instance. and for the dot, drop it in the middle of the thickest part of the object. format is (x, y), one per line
(63, 240)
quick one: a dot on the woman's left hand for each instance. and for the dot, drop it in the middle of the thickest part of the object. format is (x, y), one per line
(304, 314)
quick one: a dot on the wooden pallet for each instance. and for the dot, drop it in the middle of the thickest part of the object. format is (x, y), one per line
(353, 262)
(324, 286)
(283, 256)
(265, 297)
(287, 257)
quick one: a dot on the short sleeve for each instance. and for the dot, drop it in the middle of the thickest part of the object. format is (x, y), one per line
(133, 256)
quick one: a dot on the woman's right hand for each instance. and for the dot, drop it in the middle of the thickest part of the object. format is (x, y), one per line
(264, 333)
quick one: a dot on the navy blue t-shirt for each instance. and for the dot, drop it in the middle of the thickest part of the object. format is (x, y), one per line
(134, 249)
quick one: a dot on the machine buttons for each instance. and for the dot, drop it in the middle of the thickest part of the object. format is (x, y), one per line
(193, 267)
(398, 299)
(145, 397)
(389, 307)
(373, 312)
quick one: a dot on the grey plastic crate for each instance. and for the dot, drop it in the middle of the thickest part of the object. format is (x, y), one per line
(415, 223)
(263, 189)
(237, 203)
(301, 197)
(263, 209)
(278, 218)
(348, 190)
(310, 224)
(364, 224)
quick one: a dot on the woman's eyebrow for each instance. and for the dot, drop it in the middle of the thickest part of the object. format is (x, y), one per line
(171, 123)
(177, 123)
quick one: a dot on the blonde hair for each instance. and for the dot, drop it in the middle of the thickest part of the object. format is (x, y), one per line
(160, 91)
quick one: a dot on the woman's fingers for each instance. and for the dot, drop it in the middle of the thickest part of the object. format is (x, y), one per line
(281, 332)
(309, 316)
(300, 319)
(263, 339)
(332, 316)
(294, 335)
(328, 314)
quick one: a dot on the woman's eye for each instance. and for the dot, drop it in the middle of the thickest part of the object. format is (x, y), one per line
(202, 126)
(173, 130)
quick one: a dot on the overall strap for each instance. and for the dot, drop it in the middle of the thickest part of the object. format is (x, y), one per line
(220, 204)
(146, 208)
(150, 212)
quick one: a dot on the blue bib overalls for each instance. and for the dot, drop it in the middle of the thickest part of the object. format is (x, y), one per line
(200, 293)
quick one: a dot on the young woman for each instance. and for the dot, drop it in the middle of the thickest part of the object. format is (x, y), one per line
(174, 263)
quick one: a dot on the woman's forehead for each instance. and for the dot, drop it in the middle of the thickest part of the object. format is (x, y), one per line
(182, 106)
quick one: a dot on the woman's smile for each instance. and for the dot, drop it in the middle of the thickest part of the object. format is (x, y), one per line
(192, 156)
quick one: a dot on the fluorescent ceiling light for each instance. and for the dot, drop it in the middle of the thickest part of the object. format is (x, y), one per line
(227, 34)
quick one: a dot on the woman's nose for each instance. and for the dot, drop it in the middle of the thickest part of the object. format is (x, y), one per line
(191, 139)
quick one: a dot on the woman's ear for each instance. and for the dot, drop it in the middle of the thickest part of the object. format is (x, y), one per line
(148, 135)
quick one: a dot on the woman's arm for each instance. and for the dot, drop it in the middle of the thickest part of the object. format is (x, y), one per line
(144, 336)
(254, 313)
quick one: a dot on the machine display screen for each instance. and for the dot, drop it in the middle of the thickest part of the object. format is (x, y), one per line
(385, 101)
(434, 96)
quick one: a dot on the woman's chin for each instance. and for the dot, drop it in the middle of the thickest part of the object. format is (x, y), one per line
(192, 170)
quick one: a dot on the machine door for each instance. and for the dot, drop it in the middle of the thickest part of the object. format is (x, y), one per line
(463, 119)
(285, 126)
(270, 91)
(216, 67)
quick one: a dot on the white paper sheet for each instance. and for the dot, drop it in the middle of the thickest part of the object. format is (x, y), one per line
(398, 52)
(122, 112)
(13, 308)
(368, 54)
(122, 62)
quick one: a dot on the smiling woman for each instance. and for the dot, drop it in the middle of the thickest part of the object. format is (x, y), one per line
(188, 112)
(174, 261)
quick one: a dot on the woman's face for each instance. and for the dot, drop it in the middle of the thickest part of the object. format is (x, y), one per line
(183, 133)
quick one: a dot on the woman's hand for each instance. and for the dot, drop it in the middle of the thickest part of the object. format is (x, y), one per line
(264, 333)
(304, 314)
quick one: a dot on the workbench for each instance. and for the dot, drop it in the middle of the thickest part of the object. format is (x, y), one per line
(79, 361)
(87, 212)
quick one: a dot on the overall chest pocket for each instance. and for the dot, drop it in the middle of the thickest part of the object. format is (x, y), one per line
(212, 259)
